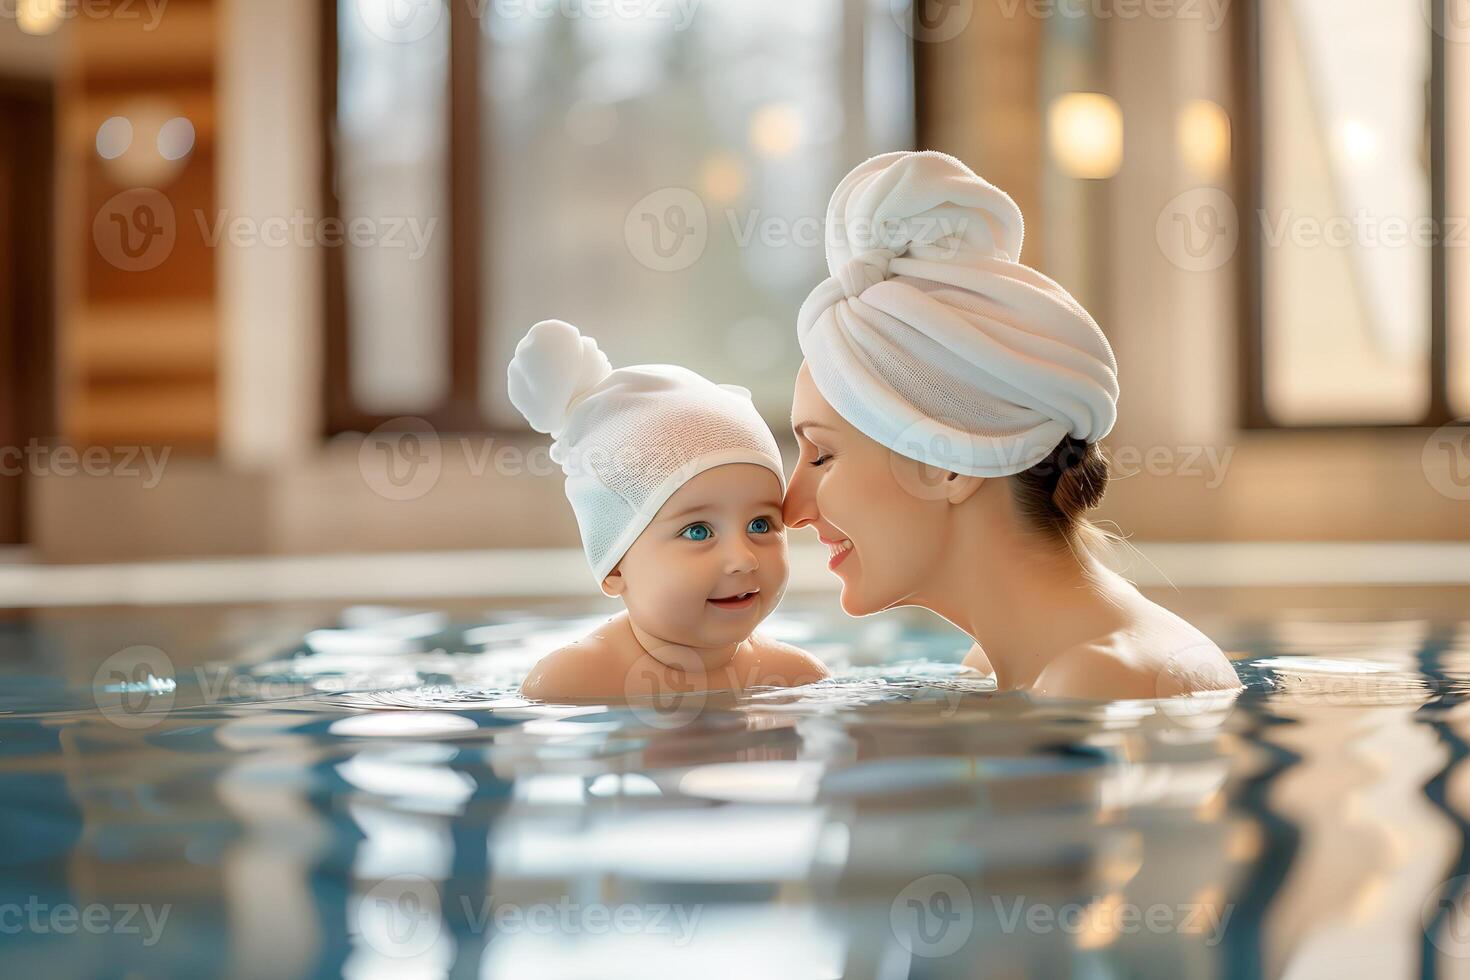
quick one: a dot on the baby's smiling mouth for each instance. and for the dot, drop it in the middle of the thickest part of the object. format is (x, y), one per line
(738, 601)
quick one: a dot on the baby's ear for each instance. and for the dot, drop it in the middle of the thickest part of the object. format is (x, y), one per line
(614, 584)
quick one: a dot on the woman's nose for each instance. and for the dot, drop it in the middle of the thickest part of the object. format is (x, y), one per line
(798, 509)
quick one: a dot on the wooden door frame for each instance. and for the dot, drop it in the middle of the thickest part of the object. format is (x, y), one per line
(27, 285)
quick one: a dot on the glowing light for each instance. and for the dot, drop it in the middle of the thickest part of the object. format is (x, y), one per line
(39, 16)
(722, 178)
(1085, 132)
(1100, 922)
(139, 143)
(1358, 140)
(1204, 138)
(775, 129)
(114, 137)
(401, 724)
(763, 782)
(175, 138)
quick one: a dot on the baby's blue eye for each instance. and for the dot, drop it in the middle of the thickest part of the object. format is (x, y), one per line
(696, 532)
(759, 526)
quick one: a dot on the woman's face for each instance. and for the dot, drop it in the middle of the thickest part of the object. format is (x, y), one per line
(887, 512)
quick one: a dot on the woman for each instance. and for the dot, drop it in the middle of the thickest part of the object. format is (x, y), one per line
(948, 414)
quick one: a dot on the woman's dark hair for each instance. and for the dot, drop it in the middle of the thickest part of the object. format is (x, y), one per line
(1054, 496)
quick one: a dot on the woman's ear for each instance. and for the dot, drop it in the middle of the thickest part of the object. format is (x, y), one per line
(614, 584)
(959, 488)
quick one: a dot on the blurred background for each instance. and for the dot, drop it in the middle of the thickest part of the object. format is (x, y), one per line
(262, 264)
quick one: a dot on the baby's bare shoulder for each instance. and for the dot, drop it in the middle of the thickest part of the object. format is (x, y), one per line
(783, 665)
(591, 668)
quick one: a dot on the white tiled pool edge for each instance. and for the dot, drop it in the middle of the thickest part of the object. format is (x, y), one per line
(563, 572)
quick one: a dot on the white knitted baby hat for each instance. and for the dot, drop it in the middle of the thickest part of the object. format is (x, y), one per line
(933, 339)
(628, 439)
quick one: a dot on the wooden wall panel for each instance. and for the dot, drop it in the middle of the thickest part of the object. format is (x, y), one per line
(139, 325)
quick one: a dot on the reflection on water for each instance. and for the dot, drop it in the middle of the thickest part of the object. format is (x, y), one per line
(242, 793)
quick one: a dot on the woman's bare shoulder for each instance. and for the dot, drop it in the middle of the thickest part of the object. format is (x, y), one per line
(1113, 670)
(1129, 665)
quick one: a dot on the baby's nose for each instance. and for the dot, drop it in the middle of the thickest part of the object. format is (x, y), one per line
(740, 558)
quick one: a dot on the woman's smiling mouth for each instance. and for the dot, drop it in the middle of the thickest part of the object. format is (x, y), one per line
(840, 550)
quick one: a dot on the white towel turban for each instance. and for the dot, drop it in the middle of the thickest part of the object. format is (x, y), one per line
(931, 338)
(628, 439)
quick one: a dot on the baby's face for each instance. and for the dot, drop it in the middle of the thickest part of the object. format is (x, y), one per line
(720, 535)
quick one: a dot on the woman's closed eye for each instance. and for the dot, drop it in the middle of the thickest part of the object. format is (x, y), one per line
(821, 458)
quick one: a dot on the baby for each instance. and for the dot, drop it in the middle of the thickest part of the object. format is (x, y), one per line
(677, 484)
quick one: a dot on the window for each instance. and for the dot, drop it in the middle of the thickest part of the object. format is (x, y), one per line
(1357, 178)
(658, 180)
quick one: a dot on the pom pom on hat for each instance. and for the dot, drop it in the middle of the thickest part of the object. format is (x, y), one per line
(554, 367)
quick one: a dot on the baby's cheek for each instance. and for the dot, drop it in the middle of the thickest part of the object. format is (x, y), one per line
(776, 565)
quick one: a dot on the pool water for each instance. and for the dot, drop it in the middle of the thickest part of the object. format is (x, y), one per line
(295, 792)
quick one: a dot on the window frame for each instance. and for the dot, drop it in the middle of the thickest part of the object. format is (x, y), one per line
(459, 411)
(1248, 165)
